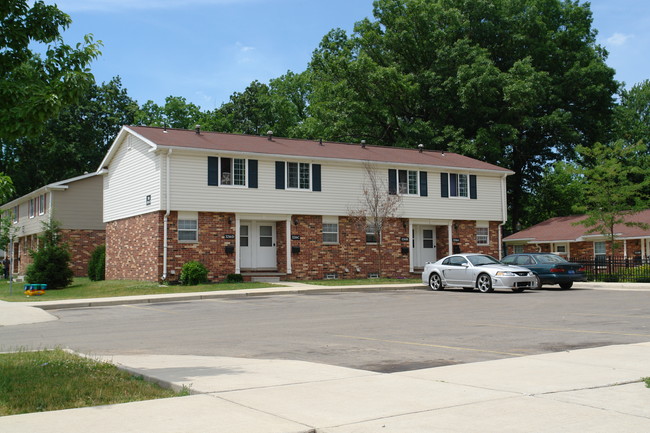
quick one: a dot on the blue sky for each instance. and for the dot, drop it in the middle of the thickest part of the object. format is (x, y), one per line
(204, 50)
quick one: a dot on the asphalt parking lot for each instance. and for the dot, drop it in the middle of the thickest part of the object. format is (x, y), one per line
(383, 332)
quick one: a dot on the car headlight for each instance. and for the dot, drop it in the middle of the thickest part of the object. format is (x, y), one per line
(505, 274)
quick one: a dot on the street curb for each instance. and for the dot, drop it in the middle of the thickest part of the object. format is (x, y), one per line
(184, 297)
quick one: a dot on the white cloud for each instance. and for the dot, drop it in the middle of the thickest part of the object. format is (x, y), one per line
(618, 39)
(127, 5)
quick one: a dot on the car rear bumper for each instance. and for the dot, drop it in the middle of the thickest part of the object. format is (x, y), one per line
(559, 278)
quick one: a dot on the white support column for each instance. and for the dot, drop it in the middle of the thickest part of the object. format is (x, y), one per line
(411, 243)
(237, 247)
(450, 236)
(288, 243)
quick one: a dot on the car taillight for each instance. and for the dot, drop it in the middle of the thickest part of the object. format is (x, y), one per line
(582, 269)
(557, 270)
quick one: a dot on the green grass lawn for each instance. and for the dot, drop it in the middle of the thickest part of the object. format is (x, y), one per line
(55, 379)
(83, 288)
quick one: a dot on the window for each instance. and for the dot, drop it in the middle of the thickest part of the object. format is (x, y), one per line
(233, 171)
(407, 182)
(243, 236)
(458, 185)
(482, 236)
(42, 202)
(15, 213)
(330, 230)
(187, 227)
(298, 175)
(31, 208)
(371, 233)
(519, 249)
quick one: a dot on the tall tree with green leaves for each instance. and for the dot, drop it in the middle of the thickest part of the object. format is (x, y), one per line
(611, 186)
(518, 83)
(39, 73)
(80, 135)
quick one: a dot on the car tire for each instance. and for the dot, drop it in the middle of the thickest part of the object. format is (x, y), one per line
(538, 282)
(484, 283)
(435, 282)
(566, 286)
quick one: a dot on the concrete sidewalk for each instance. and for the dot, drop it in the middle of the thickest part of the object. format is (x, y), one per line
(588, 390)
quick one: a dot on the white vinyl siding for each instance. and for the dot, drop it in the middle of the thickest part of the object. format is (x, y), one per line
(342, 189)
(133, 174)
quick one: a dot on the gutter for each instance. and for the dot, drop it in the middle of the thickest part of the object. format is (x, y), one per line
(167, 212)
(504, 213)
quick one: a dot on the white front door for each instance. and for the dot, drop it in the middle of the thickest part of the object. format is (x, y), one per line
(424, 245)
(257, 249)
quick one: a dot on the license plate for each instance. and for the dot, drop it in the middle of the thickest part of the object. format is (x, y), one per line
(572, 272)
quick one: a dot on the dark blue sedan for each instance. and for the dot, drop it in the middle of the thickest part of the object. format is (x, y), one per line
(549, 268)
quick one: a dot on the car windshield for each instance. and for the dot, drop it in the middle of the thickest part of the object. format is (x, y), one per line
(550, 259)
(482, 260)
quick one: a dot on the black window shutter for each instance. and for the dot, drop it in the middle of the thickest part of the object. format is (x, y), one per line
(444, 184)
(279, 174)
(315, 177)
(252, 173)
(392, 181)
(213, 170)
(424, 189)
(473, 194)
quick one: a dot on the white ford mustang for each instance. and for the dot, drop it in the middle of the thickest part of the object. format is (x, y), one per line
(480, 271)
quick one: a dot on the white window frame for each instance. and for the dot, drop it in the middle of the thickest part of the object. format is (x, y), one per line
(31, 212)
(371, 231)
(41, 204)
(458, 192)
(331, 230)
(303, 173)
(482, 238)
(228, 178)
(411, 185)
(185, 220)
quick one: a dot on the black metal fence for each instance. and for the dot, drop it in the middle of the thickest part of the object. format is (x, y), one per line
(635, 269)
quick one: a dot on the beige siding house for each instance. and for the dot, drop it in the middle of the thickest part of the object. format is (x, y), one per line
(75, 203)
(276, 207)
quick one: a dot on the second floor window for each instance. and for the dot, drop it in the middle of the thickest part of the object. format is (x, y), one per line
(458, 185)
(31, 208)
(233, 171)
(298, 175)
(408, 182)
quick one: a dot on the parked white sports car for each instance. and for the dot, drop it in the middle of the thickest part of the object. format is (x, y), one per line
(480, 271)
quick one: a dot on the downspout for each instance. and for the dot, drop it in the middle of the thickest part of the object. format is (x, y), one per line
(504, 214)
(168, 210)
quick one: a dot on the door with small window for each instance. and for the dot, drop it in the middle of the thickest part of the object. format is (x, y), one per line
(257, 245)
(424, 245)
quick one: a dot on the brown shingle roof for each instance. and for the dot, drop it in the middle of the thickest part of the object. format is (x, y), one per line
(566, 229)
(307, 148)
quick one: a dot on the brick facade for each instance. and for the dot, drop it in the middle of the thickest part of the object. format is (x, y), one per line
(629, 248)
(81, 244)
(135, 247)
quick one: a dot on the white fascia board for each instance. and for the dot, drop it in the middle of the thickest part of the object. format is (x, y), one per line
(342, 160)
(118, 142)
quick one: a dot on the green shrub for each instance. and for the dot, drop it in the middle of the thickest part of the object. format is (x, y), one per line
(51, 261)
(193, 273)
(97, 264)
(234, 278)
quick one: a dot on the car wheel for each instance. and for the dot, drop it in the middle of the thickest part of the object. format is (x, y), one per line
(435, 283)
(517, 289)
(566, 286)
(538, 282)
(484, 283)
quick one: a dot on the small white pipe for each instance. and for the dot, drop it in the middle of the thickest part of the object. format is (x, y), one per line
(168, 211)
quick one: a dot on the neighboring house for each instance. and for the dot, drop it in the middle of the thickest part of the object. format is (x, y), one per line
(565, 236)
(266, 206)
(76, 204)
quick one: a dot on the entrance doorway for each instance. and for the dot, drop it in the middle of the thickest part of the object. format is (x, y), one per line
(257, 245)
(424, 245)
